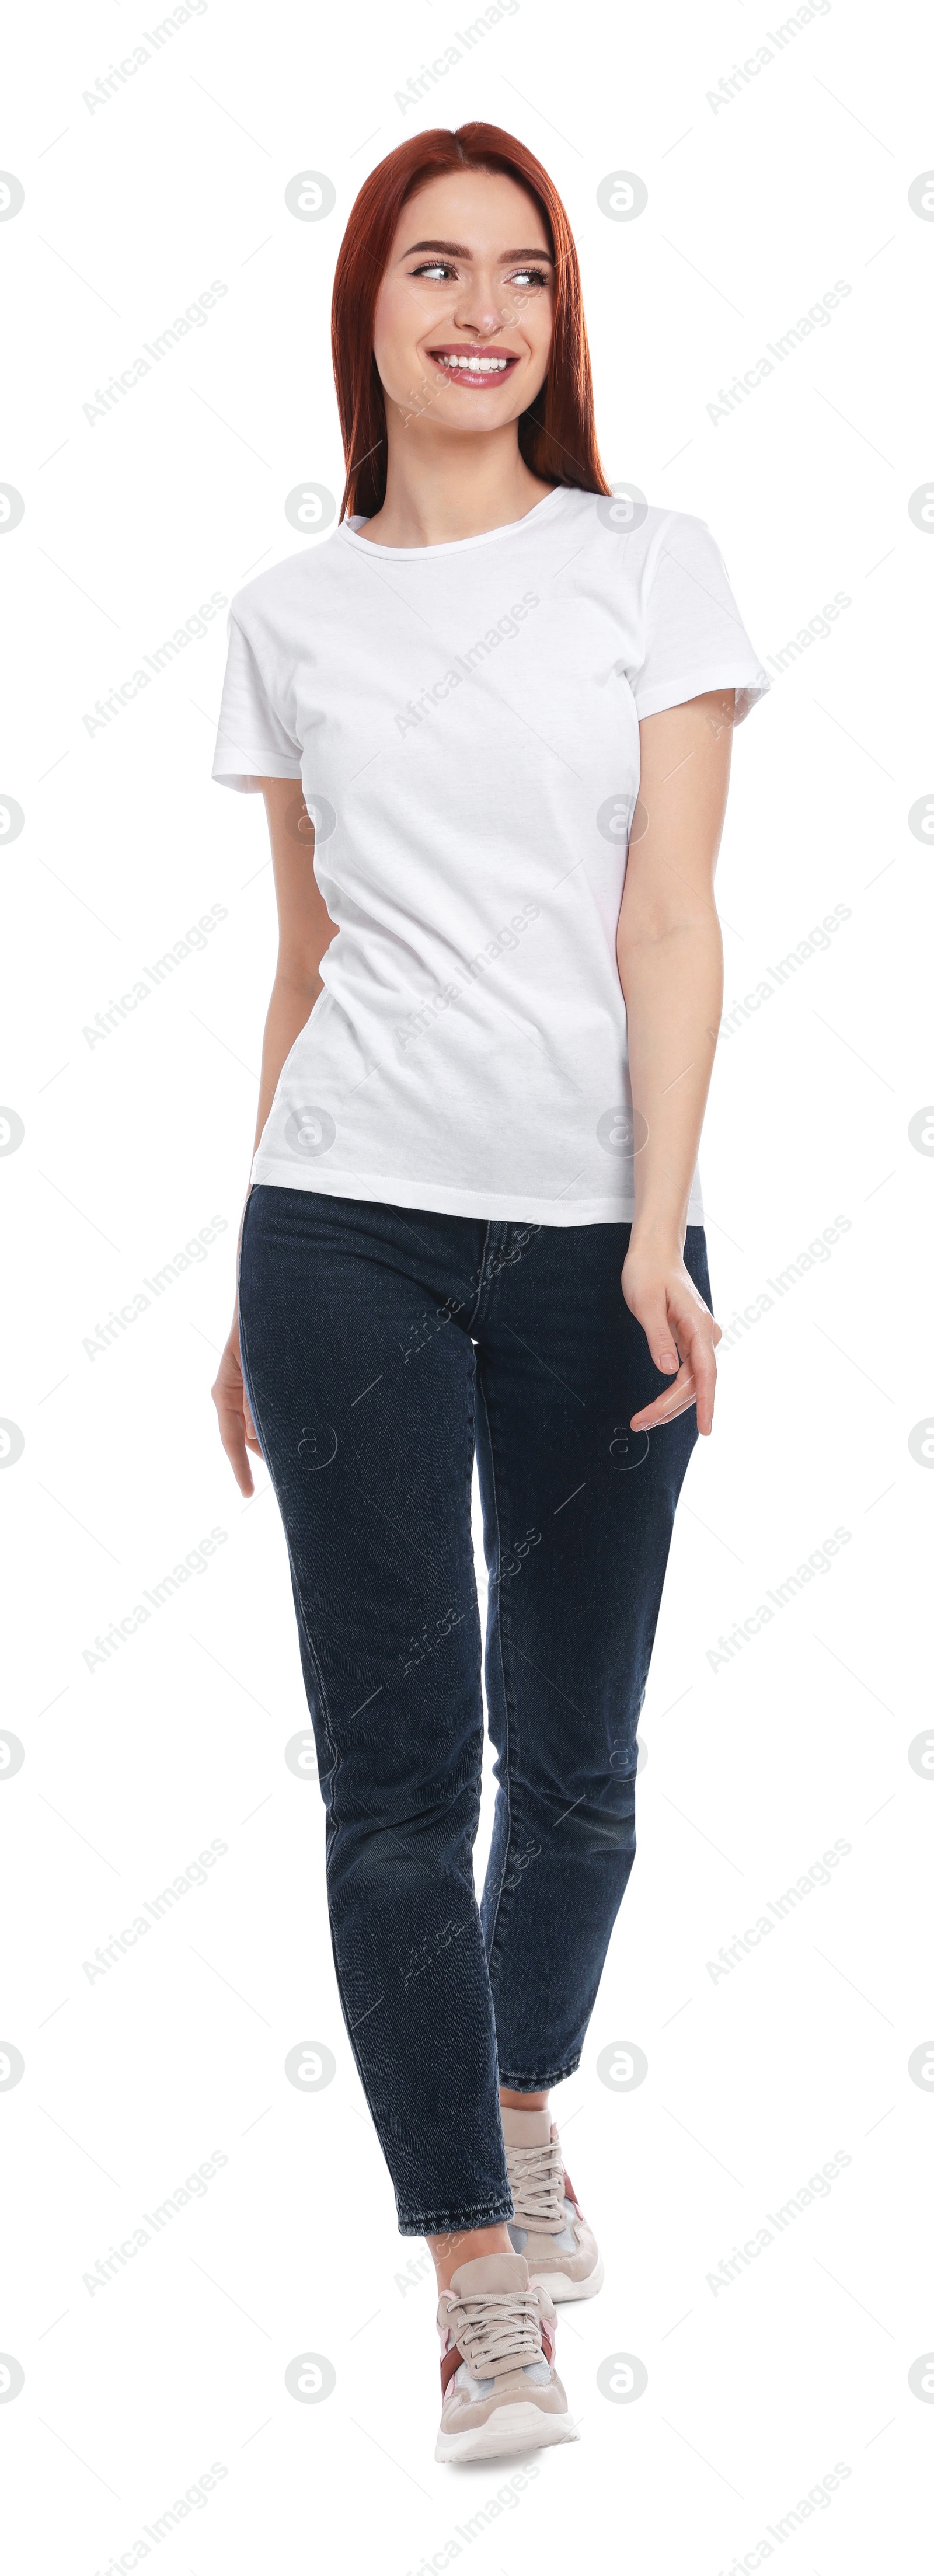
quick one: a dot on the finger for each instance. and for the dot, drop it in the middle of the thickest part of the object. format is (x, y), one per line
(236, 1451)
(704, 1366)
(241, 1466)
(233, 1440)
(664, 1408)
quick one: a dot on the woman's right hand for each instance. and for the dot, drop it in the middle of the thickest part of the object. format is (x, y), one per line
(237, 1427)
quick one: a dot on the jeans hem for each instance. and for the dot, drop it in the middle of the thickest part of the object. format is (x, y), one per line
(539, 2083)
(447, 2222)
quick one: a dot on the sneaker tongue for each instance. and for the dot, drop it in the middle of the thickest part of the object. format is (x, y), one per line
(490, 2272)
(526, 2128)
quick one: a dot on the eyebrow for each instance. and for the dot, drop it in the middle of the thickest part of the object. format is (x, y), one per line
(457, 250)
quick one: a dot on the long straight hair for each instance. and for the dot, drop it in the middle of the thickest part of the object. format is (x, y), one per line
(557, 436)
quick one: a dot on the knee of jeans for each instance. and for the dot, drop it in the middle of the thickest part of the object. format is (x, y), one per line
(414, 1840)
(602, 1819)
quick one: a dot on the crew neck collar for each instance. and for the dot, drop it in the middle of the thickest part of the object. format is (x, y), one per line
(540, 511)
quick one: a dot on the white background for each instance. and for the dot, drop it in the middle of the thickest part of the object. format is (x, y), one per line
(756, 1764)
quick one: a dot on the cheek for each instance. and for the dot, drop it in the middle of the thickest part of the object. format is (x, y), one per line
(400, 326)
(395, 328)
(539, 330)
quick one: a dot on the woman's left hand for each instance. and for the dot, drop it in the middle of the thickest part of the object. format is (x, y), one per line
(681, 1334)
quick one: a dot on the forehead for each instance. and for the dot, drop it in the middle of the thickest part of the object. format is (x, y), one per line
(480, 208)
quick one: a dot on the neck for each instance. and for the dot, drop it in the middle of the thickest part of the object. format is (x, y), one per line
(441, 488)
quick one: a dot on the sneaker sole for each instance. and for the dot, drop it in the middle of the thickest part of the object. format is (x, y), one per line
(560, 2286)
(511, 2428)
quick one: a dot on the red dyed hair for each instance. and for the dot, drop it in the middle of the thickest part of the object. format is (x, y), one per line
(557, 437)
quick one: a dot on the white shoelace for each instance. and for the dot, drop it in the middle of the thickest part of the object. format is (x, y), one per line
(496, 2330)
(536, 2176)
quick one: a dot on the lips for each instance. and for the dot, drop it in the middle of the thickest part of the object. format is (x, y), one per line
(478, 368)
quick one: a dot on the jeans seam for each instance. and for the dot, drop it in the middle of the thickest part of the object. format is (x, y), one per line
(472, 1318)
(507, 1713)
(471, 1429)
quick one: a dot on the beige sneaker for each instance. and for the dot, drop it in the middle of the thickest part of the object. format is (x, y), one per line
(560, 2249)
(500, 2388)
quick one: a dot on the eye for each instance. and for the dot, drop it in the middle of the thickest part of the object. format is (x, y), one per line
(528, 276)
(433, 268)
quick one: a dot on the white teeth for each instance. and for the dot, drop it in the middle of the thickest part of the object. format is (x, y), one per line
(477, 366)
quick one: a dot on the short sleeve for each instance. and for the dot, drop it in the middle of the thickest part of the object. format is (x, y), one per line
(252, 742)
(694, 637)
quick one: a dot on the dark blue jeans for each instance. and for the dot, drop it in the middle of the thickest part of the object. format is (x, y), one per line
(381, 1347)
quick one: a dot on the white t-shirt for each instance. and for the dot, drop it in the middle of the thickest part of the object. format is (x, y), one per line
(464, 721)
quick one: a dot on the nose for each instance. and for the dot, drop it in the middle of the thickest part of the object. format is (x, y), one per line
(478, 309)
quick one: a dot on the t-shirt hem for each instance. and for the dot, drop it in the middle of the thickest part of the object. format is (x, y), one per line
(239, 770)
(392, 1189)
(750, 684)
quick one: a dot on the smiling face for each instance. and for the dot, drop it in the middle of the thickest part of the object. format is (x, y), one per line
(464, 316)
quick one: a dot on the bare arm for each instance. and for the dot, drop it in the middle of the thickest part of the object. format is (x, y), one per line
(305, 931)
(671, 971)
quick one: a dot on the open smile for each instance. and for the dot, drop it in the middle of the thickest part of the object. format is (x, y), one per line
(478, 368)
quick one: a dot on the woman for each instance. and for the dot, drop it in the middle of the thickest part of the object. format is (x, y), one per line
(474, 1223)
